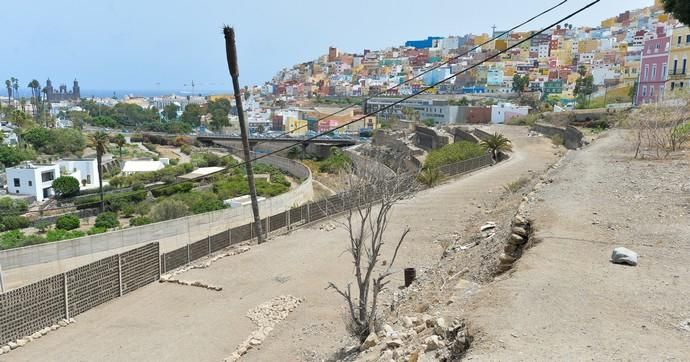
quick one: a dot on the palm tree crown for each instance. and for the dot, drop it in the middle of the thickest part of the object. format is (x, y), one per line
(497, 143)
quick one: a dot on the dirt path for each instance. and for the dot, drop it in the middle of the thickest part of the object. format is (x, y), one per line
(173, 322)
(565, 300)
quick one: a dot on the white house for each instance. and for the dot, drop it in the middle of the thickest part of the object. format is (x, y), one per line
(34, 180)
(137, 166)
(84, 170)
(504, 112)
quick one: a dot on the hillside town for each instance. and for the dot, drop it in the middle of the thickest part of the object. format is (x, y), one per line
(515, 194)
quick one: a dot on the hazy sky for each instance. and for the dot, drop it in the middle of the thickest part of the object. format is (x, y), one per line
(135, 44)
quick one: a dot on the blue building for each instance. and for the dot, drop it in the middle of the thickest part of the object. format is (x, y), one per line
(422, 44)
(477, 89)
(436, 75)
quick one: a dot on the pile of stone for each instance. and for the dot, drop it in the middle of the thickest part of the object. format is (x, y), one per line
(191, 283)
(21, 342)
(265, 316)
(423, 338)
(520, 232)
(206, 262)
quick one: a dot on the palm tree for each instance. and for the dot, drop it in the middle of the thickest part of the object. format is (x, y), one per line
(496, 143)
(100, 141)
(8, 85)
(15, 85)
(35, 93)
(120, 141)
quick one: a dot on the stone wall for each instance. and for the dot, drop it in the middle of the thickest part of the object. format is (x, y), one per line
(39, 305)
(571, 136)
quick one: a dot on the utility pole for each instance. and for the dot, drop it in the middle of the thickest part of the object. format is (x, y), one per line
(231, 53)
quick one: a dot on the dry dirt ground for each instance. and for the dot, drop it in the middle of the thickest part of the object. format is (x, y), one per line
(175, 322)
(564, 299)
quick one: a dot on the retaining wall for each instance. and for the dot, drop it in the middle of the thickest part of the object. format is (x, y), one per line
(572, 137)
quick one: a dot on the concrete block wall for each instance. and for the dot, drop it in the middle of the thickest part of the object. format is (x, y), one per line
(33, 307)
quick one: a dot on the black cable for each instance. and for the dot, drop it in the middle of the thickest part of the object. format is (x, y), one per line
(426, 71)
(380, 109)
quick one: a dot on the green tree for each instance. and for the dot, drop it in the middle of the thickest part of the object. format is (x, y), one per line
(496, 143)
(120, 141)
(410, 114)
(260, 129)
(520, 83)
(170, 111)
(12, 156)
(192, 115)
(584, 87)
(66, 186)
(428, 122)
(35, 87)
(100, 141)
(679, 8)
(219, 119)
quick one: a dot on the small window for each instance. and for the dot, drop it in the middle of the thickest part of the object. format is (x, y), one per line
(644, 91)
(680, 39)
(31, 183)
(17, 183)
(687, 38)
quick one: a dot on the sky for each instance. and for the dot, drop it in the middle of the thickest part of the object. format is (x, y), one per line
(167, 44)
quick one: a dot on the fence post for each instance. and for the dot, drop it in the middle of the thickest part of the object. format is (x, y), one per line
(209, 245)
(229, 238)
(308, 213)
(119, 271)
(64, 284)
(188, 260)
(287, 219)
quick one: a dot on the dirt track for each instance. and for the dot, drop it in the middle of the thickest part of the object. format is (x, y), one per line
(565, 300)
(173, 322)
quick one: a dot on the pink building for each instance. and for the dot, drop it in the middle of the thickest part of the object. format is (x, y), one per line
(327, 125)
(653, 70)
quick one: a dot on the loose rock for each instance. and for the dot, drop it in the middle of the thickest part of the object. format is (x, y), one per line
(433, 343)
(622, 255)
(371, 341)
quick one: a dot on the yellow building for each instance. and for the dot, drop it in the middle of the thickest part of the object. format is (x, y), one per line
(587, 46)
(608, 23)
(630, 72)
(297, 127)
(678, 70)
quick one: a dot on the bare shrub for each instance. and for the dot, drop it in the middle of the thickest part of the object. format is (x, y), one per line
(515, 186)
(660, 129)
(367, 206)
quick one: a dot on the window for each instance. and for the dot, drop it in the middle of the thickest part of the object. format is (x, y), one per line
(31, 183)
(687, 39)
(673, 86)
(675, 66)
(681, 85)
(651, 91)
(654, 72)
(644, 91)
(646, 72)
(663, 71)
(680, 39)
(17, 182)
(47, 176)
(685, 64)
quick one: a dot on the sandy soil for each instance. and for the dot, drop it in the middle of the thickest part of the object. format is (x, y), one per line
(565, 300)
(173, 322)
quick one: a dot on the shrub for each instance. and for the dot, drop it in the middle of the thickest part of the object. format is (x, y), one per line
(42, 225)
(186, 149)
(173, 189)
(336, 162)
(200, 202)
(67, 222)
(107, 220)
(168, 209)
(429, 177)
(140, 220)
(150, 147)
(66, 186)
(452, 153)
(11, 239)
(96, 230)
(13, 222)
(128, 210)
(8, 205)
(557, 140)
(137, 186)
(168, 179)
(515, 186)
(59, 234)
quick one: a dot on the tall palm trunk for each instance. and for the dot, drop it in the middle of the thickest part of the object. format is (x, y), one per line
(99, 157)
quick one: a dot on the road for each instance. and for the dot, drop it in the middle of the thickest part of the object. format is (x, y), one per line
(173, 322)
(565, 300)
